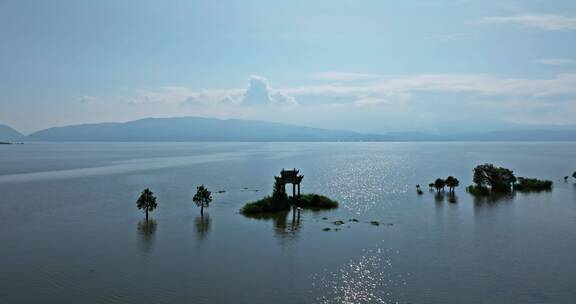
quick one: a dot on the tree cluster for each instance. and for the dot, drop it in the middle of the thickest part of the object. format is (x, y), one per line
(439, 184)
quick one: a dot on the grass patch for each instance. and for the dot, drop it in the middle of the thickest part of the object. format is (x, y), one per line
(266, 205)
(315, 201)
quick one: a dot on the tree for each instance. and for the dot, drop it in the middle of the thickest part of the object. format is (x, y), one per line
(452, 183)
(574, 174)
(147, 202)
(439, 184)
(431, 185)
(202, 198)
(278, 193)
(488, 176)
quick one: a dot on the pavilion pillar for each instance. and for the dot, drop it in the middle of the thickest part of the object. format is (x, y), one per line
(298, 189)
(293, 190)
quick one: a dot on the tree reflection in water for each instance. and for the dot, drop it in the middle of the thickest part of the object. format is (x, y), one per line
(202, 225)
(146, 230)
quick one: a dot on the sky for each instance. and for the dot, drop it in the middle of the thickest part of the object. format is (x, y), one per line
(370, 66)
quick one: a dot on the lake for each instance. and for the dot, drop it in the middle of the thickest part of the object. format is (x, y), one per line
(70, 231)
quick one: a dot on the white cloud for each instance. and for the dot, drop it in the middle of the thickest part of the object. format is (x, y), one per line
(260, 93)
(343, 76)
(547, 22)
(556, 61)
(377, 102)
(448, 83)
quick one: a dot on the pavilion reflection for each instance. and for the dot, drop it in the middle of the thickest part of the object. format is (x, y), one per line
(286, 223)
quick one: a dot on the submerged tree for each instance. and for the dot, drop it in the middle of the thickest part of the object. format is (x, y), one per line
(495, 178)
(147, 202)
(202, 198)
(452, 183)
(439, 184)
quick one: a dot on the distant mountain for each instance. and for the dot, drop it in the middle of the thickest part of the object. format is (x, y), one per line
(211, 129)
(192, 129)
(9, 134)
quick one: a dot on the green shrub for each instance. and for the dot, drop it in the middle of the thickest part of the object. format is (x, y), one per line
(265, 205)
(532, 184)
(315, 201)
(478, 190)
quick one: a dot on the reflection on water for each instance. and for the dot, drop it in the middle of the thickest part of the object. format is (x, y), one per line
(146, 230)
(452, 198)
(439, 197)
(493, 199)
(369, 279)
(282, 227)
(202, 225)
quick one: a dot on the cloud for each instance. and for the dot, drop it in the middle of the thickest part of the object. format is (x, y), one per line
(448, 83)
(87, 98)
(343, 76)
(548, 22)
(378, 102)
(186, 96)
(556, 61)
(260, 93)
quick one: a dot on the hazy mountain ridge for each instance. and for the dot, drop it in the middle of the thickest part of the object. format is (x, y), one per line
(9, 134)
(211, 129)
(192, 129)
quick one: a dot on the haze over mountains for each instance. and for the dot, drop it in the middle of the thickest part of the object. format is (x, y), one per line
(9, 134)
(182, 129)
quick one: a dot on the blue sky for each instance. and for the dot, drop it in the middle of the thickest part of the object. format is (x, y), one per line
(371, 66)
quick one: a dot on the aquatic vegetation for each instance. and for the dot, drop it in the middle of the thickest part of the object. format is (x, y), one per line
(532, 185)
(338, 223)
(478, 190)
(375, 223)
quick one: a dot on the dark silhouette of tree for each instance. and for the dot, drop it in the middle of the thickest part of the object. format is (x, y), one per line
(488, 176)
(439, 184)
(202, 198)
(566, 178)
(431, 185)
(452, 183)
(147, 202)
(574, 174)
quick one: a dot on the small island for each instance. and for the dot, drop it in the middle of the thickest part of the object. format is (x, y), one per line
(280, 201)
(489, 179)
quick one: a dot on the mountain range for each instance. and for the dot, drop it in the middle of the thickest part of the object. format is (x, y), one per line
(183, 129)
(8, 134)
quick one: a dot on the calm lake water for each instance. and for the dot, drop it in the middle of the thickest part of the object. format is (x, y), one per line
(70, 231)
